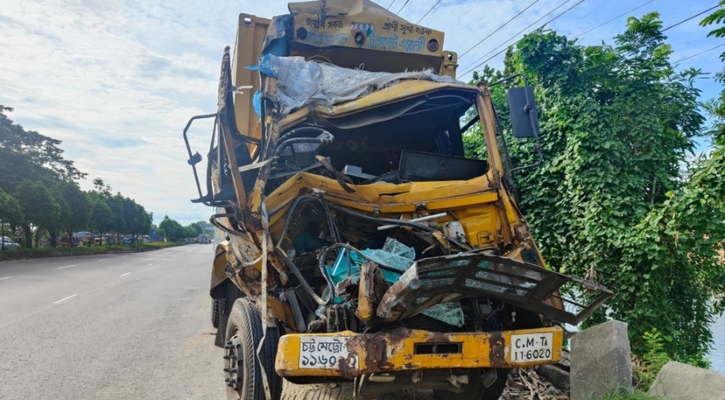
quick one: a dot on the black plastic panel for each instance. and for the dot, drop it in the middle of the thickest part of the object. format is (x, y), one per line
(417, 166)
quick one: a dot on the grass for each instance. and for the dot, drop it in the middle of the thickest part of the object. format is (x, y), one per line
(623, 395)
(46, 252)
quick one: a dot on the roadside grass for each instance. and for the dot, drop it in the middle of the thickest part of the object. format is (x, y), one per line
(46, 252)
(623, 395)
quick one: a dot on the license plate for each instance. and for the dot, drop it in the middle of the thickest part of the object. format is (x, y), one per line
(532, 347)
(324, 353)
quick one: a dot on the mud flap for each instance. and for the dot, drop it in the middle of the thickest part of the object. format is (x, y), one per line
(441, 279)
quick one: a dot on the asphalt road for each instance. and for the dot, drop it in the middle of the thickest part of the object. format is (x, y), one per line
(132, 326)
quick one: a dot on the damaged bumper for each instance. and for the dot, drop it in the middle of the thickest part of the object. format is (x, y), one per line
(349, 355)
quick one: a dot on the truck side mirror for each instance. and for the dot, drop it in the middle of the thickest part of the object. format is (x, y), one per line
(524, 116)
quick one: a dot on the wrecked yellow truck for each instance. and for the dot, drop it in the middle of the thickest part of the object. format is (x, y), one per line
(361, 245)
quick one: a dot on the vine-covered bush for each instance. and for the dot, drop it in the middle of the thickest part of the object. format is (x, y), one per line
(610, 201)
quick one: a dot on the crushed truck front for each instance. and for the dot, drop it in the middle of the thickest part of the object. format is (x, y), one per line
(361, 243)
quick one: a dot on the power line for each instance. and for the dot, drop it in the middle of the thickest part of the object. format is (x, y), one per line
(401, 8)
(617, 17)
(427, 12)
(523, 30)
(687, 19)
(498, 29)
(697, 54)
(390, 5)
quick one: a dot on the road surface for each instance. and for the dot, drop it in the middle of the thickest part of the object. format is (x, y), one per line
(130, 326)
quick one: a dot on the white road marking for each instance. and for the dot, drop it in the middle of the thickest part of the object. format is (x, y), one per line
(7, 277)
(66, 298)
(151, 264)
(127, 273)
(67, 266)
(103, 259)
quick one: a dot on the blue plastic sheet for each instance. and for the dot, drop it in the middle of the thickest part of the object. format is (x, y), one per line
(394, 259)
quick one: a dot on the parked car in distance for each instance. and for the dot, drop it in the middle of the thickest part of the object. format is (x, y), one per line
(6, 244)
(64, 241)
(204, 239)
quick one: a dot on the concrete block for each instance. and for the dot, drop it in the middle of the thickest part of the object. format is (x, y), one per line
(600, 361)
(678, 381)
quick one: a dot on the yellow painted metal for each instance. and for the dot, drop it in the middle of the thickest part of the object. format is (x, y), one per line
(391, 352)
(251, 31)
(471, 202)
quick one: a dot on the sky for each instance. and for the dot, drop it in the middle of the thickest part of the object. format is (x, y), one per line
(117, 80)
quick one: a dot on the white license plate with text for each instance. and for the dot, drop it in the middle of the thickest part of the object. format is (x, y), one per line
(532, 347)
(324, 353)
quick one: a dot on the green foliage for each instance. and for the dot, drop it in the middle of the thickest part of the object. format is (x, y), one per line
(10, 210)
(30, 155)
(101, 215)
(718, 17)
(646, 369)
(624, 395)
(174, 231)
(38, 190)
(716, 107)
(610, 201)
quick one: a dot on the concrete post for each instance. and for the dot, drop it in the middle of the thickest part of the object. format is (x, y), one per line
(600, 361)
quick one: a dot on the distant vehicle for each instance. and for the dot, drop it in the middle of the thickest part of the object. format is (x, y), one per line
(7, 244)
(204, 239)
(64, 241)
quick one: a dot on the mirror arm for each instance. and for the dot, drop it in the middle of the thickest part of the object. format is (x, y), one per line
(536, 164)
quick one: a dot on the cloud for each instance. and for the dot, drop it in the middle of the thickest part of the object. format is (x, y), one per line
(117, 80)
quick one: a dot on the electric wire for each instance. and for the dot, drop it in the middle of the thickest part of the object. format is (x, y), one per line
(615, 18)
(429, 10)
(697, 54)
(404, 4)
(523, 30)
(469, 69)
(498, 29)
(689, 18)
(390, 5)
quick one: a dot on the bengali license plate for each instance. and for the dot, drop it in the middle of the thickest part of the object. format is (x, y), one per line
(532, 347)
(325, 353)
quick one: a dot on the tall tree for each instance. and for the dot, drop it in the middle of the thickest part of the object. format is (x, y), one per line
(39, 208)
(101, 216)
(30, 155)
(10, 213)
(79, 206)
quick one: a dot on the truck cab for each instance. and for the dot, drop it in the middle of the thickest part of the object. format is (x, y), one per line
(362, 245)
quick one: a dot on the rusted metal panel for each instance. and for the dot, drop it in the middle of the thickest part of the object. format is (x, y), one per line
(434, 280)
(411, 350)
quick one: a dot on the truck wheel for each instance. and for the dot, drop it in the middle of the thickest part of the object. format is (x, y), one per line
(241, 368)
(217, 309)
(476, 388)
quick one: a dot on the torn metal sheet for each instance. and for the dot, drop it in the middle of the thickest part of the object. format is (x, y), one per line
(441, 279)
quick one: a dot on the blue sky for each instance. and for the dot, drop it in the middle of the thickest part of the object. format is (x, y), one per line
(117, 80)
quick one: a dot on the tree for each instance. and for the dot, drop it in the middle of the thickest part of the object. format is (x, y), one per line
(10, 212)
(31, 155)
(610, 201)
(101, 216)
(80, 208)
(174, 231)
(38, 207)
(62, 218)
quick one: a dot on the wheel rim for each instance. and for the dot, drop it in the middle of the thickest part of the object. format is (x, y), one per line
(233, 363)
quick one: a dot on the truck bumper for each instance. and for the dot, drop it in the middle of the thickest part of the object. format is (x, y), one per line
(348, 354)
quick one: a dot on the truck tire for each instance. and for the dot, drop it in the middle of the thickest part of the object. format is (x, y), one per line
(476, 389)
(217, 309)
(243, 373)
